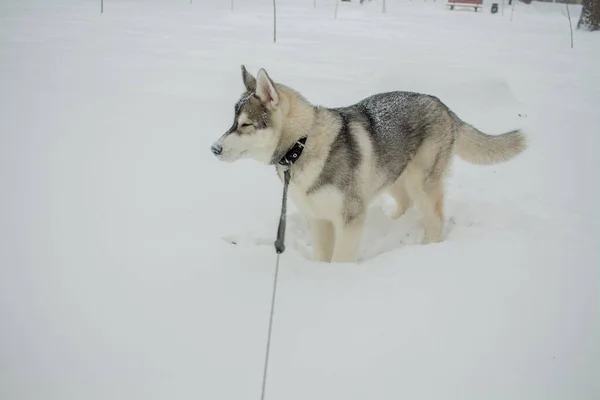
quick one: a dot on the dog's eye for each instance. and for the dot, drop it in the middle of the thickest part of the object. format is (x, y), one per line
(246, 125)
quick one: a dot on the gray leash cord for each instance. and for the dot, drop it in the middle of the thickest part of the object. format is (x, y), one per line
(280, 242)
(279, 248)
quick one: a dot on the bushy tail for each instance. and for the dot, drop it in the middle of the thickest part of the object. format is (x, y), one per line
(477, 147)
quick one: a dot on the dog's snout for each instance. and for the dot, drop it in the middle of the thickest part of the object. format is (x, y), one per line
(216, 149)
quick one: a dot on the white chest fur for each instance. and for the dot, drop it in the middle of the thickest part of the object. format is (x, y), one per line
(325, 203)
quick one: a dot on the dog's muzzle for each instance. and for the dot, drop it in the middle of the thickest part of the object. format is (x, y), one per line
(216, 149)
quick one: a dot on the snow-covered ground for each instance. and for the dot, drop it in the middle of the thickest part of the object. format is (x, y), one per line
(118, 278)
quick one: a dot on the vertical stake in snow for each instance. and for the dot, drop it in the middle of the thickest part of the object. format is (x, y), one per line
(570, 23)
(337, 2)
(231, 5)
(101, 6)
(274, 22)
(512, 12)
(503, 1)
(383, 8)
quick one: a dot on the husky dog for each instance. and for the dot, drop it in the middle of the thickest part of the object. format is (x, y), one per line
(397, 142)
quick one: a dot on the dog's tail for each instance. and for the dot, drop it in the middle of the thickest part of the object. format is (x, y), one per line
(477, 147)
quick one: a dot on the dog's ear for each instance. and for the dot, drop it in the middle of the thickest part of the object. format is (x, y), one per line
(266, 90)
(249, 80)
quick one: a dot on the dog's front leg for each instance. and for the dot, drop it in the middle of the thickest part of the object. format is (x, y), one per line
(322, 239)
(348, 234)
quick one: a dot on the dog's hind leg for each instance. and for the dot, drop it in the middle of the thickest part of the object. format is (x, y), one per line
(425, 187)
(429, 199)
(398, 191)
(322, 239)
(424, 177)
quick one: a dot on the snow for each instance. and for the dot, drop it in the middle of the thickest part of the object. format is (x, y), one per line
(118, 278)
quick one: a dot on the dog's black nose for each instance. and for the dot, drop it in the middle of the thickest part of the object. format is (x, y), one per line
(216, 149)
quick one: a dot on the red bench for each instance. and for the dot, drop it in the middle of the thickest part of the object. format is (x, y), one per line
(476, 4)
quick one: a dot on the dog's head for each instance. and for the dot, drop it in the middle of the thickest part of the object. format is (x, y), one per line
(257, 123)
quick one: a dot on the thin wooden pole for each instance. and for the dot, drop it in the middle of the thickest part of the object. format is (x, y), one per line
(570, 23)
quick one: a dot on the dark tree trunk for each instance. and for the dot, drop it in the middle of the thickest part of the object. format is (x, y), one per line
(590, 16)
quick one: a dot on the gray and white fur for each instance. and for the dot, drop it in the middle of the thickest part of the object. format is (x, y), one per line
(397, 142)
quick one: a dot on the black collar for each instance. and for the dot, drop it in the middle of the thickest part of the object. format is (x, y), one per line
(293, 154)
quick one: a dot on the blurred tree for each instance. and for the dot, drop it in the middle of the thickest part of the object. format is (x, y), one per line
(590, 16)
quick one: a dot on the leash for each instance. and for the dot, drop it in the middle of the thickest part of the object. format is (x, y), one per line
(279, 249)
(287, 161)
(280, 242)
